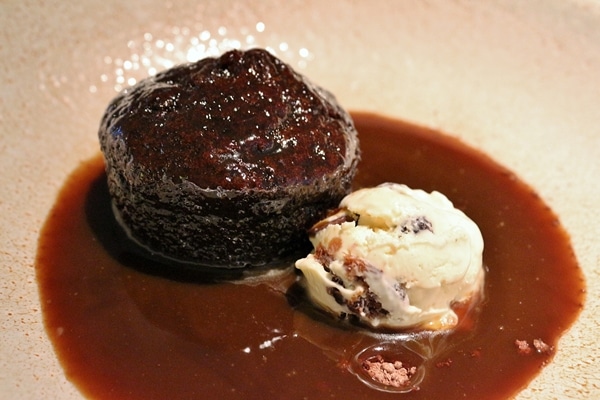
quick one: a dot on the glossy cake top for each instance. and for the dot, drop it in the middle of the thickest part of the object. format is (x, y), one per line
(243, 120)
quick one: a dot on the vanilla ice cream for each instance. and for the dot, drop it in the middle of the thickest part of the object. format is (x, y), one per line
(395, 257)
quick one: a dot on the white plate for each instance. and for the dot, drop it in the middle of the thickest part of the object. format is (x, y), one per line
(520, 80)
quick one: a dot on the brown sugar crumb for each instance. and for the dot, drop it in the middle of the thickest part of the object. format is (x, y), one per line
(388, 373)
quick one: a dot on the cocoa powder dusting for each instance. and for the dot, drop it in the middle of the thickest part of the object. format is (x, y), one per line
(388, 373)
(525, 348)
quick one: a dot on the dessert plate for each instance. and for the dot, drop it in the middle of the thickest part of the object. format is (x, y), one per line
(515, 79)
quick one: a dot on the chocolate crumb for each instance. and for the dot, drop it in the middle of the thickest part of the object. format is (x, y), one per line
(388, 373)
(335, 217)
(337, 295)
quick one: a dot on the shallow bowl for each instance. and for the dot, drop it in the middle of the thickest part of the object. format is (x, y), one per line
(518, 80)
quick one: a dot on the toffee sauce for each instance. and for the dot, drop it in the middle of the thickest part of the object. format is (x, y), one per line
(123, 328)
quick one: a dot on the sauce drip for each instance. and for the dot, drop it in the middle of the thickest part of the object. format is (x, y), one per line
(124, 329)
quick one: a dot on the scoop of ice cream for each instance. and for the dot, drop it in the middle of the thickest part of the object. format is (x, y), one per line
(395, 257)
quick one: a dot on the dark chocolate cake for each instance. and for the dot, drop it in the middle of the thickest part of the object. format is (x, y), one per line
(228, 161)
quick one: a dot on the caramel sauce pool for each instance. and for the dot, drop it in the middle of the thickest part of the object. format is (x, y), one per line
(122, 329)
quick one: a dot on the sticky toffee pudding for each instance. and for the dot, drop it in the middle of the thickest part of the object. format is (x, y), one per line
(227, 161)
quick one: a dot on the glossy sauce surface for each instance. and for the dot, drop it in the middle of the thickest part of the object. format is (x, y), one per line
(235, 122)
(124, 329)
